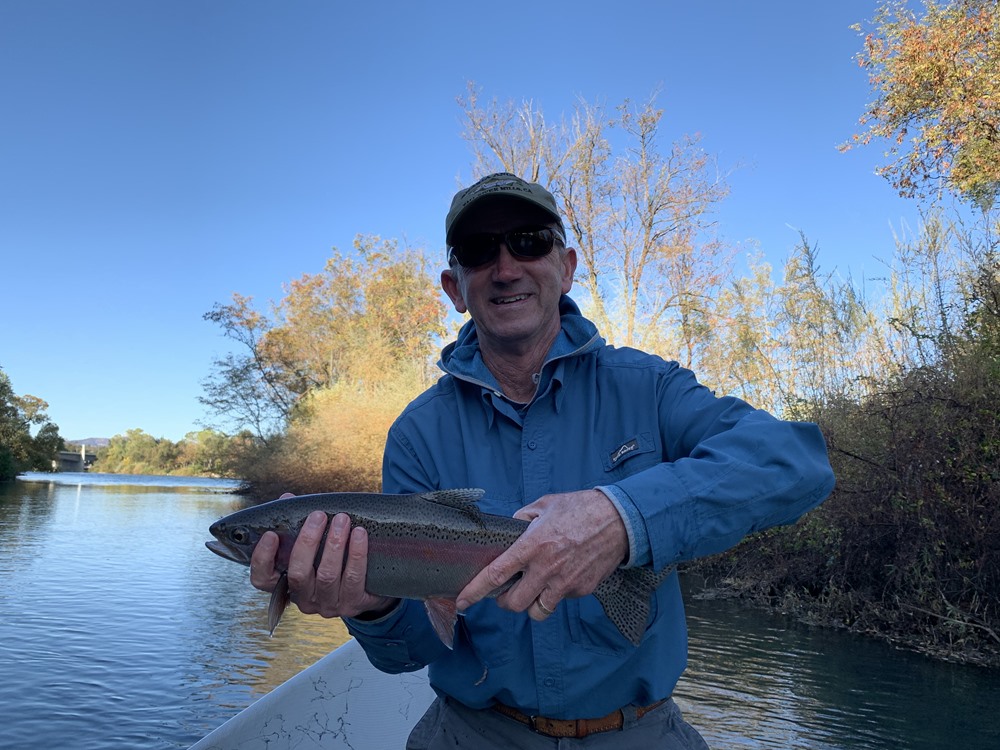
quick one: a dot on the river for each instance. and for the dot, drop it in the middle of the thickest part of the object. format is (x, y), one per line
(120, 630)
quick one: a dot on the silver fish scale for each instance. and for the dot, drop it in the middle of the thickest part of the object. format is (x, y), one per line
(436, 554)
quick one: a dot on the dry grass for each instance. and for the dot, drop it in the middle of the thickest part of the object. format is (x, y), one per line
(335, 443)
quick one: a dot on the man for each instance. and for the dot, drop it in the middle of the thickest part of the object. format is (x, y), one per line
(617, 457)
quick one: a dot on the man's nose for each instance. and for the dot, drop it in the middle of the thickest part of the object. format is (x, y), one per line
(506, 264)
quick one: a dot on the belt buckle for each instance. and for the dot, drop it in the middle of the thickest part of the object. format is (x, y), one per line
(533, 723)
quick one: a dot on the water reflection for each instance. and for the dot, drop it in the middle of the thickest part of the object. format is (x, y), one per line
(758, 680)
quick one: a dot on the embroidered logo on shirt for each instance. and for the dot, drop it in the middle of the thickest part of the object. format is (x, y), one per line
(623, 450)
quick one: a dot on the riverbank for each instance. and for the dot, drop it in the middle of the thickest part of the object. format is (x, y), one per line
(955, 640)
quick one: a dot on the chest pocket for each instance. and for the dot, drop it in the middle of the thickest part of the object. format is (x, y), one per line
(624, 457)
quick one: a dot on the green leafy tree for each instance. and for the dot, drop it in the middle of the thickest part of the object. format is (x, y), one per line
(937, 84)
(19, 450)
(207, 453)
(137, 452)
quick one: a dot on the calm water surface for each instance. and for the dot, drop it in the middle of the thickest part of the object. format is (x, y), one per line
(118, 629)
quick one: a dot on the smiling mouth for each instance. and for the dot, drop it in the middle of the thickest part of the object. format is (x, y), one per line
(509, 300)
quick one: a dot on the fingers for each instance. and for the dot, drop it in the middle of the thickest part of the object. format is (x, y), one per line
(328, 586)
(301, 573)
(262, 573)
(305, 586)
(573, 542)
(530, 512)
(538, 610)
(356, 569)
(335, 585)
(496, 574)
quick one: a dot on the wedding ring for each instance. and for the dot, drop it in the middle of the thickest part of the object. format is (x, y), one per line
(545, 610)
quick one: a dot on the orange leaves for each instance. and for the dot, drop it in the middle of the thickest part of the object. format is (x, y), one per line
(366, 317)
(361, 317)
(940, 72)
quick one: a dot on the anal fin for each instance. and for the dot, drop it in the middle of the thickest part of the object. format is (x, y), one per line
(443, 617)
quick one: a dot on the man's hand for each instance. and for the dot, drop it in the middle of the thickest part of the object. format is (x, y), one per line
(575, 541)
(335, 587)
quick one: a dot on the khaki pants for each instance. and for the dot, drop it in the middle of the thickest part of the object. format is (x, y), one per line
(449, 724)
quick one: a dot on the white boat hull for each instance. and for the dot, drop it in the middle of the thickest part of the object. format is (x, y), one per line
(341, 701)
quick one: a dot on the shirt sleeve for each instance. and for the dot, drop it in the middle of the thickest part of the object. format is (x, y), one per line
(731, 470)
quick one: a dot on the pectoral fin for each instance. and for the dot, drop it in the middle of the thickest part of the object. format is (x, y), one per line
(279, 600)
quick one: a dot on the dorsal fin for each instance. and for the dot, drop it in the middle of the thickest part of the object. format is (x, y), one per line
(461, 499)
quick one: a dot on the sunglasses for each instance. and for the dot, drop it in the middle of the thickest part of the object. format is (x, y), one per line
(527, 243)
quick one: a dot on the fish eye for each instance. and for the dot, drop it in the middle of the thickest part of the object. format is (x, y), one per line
(240, 535)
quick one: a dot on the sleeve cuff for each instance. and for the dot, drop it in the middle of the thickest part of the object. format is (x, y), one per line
(639, 552)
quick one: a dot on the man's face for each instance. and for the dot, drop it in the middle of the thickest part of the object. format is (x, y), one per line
(514, 302)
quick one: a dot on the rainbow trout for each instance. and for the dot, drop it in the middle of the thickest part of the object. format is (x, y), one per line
(424, 546)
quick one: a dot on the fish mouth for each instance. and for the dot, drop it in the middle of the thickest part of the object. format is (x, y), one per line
(237, 556)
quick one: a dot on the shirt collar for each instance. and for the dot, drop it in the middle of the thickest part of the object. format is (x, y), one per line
(463, 359)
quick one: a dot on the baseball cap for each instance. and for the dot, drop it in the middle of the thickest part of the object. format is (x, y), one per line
(500, 184)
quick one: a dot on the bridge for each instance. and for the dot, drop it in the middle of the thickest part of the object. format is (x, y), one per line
(73, 461)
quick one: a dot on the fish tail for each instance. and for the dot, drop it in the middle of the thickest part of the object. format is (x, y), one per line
(279, 600)
(625, 596)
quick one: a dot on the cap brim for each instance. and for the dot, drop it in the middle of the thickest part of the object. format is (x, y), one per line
(544, 213)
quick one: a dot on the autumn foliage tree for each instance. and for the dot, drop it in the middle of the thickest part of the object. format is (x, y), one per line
(362, 318)
(907, 544)
(937, 84)
(638, 212)
(319, 377)
(366, 316)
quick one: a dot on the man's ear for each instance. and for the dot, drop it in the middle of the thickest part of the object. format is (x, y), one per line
(449, 282)
(569, 269)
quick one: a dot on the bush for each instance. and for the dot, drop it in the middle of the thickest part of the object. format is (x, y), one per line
(908, 545)
(334, 443)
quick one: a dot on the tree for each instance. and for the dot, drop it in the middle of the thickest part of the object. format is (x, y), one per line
(208, 452)
(137, 452)
(359, 319)
(639, 217)
(19, 450)
(937, 86)
(363, 317)
(245, 390)
(744, 340)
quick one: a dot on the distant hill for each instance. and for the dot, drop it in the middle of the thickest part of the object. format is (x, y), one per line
(91, 442)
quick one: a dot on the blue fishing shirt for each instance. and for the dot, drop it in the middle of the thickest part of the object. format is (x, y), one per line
(691, 473)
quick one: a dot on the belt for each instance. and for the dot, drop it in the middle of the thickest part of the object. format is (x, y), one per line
(578, 728)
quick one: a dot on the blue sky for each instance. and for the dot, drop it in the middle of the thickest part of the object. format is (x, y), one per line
(158, 156)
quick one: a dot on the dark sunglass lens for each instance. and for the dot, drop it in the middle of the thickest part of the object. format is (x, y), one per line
(477, 250)
(531, 244)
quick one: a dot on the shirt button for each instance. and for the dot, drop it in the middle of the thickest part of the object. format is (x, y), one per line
(549, 682)
(532, 444)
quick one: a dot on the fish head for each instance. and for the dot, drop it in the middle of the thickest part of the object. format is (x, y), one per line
(234, 540)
